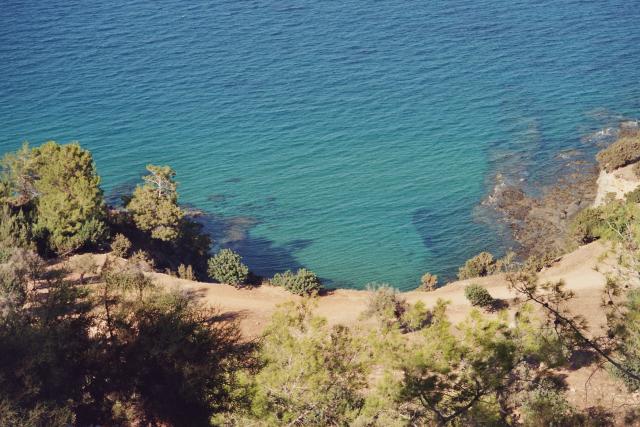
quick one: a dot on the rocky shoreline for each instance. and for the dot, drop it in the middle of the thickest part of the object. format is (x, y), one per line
(538, 223)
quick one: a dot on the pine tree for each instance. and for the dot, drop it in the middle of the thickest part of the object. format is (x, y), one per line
(69, 203)
(154, 204)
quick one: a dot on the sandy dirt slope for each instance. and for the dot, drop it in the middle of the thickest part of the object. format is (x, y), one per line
(582, 271)
(254, 307)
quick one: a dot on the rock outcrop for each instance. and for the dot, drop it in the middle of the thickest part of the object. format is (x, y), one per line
(619, 182)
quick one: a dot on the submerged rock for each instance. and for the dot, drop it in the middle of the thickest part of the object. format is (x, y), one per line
(538, 223)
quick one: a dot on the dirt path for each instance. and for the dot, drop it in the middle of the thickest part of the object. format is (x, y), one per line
(254, 307)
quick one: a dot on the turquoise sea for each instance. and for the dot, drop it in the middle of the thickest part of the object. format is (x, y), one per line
(355, 138)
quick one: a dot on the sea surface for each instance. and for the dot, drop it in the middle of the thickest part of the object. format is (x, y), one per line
(354, 138)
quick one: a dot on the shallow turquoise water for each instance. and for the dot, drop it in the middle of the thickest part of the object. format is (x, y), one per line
(354, 138)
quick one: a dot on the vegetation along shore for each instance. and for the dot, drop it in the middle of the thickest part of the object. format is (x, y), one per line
(121, 315)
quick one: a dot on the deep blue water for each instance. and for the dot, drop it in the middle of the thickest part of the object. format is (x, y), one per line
(354, 138)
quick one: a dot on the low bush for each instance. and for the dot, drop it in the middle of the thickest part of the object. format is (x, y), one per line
(142, 260)
(186, 272)
(478, 296)
(545, 406)
(428, 282)
(480, 265)
(120, 246)
(633, 196)
(536, 263)
(18, 273)
(302, 282)
(385, 304)
(506, 263)
(624, 151)
(416, 317)
(585, 226)
(227, 267)
(83, 265)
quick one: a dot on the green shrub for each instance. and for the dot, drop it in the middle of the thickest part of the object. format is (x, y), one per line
(15, 230)
(142, 260)
(585, 226)
(428, 282)
(624, 151)
(416, 317)
(633, 196)
(186, 272)
(546, 406)
(480, 265)
(303, 282)
(536, 263)
(21, 267)
(385, 304)
(120, 246)
(227, 267)
(478, 296)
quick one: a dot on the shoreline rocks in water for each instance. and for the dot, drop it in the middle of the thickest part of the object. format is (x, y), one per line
(538, 223)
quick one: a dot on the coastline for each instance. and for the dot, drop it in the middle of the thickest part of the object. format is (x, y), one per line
(581, 269)
(253, 306)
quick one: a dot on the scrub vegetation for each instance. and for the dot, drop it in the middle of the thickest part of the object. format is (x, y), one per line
(90, 339)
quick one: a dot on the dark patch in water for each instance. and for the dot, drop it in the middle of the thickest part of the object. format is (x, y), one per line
(114, 196)
(425, 221)
(450, 247)
(263, 256)
(218, 198)
(233, 180)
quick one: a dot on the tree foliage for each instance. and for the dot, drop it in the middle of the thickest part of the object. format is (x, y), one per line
(59, 185)
(624, 325)
(312, 374)
(18, 178)
(169, 356)
(450, 376)
(120, 246)
(15, 229)
(126, 352)
(70, 205)
(546, 406)
(154, 205)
